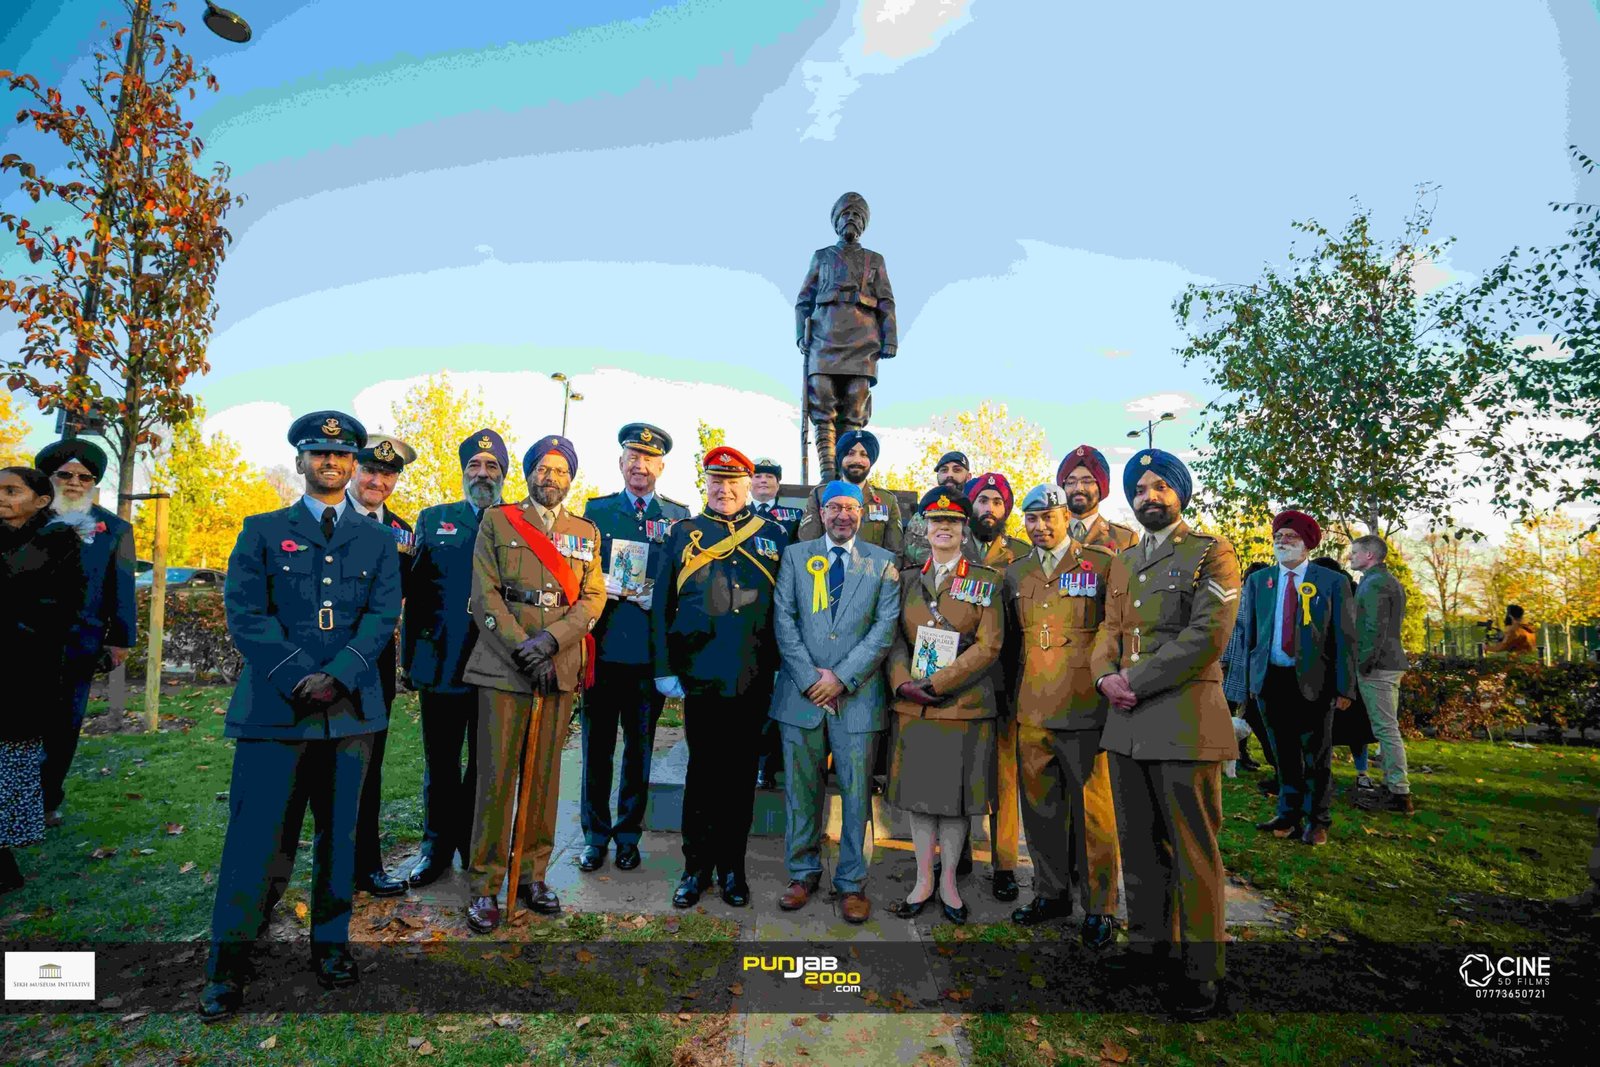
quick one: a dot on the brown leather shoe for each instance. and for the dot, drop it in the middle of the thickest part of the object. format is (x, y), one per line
(1315, 835)
(483, 914)
(856, 907)
(795, 897)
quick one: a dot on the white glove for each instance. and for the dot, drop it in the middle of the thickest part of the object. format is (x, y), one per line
(670, 686)
(645, 600)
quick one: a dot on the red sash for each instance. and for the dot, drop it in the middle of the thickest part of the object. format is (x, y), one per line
(557, 565)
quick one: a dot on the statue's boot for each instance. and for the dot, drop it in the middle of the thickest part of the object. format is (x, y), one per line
(825, 438)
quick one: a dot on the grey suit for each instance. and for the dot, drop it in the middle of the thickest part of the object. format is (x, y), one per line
(851, 641)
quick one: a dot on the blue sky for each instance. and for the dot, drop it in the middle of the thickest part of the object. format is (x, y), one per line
(631, 191)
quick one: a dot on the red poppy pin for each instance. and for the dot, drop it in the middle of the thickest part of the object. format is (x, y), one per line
(99, 527)
(290, 546)
(447, 527)
(1084, 564)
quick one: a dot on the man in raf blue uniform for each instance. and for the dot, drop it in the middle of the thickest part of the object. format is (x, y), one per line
(624, 693)
(438, 636)
(103, 636)
(378, 468)
(715, 647)
(312, 598)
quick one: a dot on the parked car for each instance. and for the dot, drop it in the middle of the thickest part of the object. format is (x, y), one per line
(187, 577)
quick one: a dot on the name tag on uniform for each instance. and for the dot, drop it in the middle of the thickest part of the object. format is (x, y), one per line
(877, 513)
(766, 546)
(972, 591)
(575, 547)
(657, 529)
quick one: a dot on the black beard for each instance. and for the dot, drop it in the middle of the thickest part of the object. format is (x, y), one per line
(1156, 516)
(986, 528)
(1072, 506)
(856, 475)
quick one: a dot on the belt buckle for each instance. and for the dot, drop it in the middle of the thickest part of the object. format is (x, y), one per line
(325, 619)
(547, 599)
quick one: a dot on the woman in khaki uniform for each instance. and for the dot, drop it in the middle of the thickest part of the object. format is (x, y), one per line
(951, 629)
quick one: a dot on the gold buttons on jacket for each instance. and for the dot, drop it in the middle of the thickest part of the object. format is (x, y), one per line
(1136, 603)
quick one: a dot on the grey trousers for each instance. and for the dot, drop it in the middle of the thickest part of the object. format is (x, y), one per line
(805, 800)
(1380, 690)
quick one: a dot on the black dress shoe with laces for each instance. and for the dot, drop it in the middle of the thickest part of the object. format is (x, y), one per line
(592, 858)
(427, 871)
(690, 886)
(1005, 886)
(335, 967)
(735, 890)
(627, 857)
(379, 884)
(1043, 910)
(1098, 933)
(219, 1000)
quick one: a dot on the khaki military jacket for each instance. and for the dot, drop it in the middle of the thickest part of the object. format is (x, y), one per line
(1113, 535)
(969, 681)
(1057, 616)
(999, 553)
(1167, 621)
(880, 519)
(503, 563)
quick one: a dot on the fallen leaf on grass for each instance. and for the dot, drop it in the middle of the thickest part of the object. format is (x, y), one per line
(1046, 1050)
(186, 868)
(133, 1015)
(174, 829)
(301, 912)
(684, 1016)
(271, 1042)
(583, 1020)
(737, 989)
(825, 1017)
(798, 1020)
(134, 796)
(102, 853)
(1110, 1050)
(583, 955)
(508, 1022)
(1131, 1030)
(453, 1029)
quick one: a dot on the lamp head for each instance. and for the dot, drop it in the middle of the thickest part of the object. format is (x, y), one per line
(226, 24)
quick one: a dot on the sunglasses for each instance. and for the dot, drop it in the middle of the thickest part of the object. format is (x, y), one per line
(69, 476)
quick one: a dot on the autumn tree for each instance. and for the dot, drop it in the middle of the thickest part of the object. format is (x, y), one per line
(1346, 389)
(434, 416)
(993, 440)
(1554, 571)
(707, 437)
(13, 431)
(1446, 562)
(214, 489)
(119, 320)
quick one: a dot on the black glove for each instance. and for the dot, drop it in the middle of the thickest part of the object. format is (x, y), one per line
(317, 692)
(535, 650)
(917, 693)
(543, 676)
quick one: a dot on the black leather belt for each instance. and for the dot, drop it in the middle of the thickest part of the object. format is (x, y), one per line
(539, 598)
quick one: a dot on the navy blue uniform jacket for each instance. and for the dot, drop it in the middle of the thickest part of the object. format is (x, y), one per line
(439, 631)
(623, 633)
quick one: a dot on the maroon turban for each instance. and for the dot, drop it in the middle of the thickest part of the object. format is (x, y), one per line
(997, 482)
(1089, 458)
(1300, 523)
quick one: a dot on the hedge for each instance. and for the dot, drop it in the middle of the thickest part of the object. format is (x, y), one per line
(1455, 696)
(195, 635)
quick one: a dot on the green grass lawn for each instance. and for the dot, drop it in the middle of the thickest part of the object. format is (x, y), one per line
(1495, 826)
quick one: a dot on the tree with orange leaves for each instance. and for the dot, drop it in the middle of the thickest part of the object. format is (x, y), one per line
(118, 321)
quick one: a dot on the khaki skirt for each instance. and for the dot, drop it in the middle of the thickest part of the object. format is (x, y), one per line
(941, 766)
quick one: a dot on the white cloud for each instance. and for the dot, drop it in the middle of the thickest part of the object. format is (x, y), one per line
(1160, 403)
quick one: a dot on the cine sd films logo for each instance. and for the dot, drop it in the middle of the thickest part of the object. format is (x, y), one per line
(1508, 977)
(820, 971)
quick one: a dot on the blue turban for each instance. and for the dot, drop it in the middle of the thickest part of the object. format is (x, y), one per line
(546, 445)
(850, 438)
(484, 440)
(1166, 465)
(837, 488)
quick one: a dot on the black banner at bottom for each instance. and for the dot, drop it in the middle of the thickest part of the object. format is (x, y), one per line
(609, 976)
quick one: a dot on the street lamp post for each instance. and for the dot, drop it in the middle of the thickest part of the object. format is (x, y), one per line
(567, 397)
(1149, 429)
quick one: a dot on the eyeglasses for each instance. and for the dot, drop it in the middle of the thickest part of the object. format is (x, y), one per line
(69, 476)
(843, 509)
(554, 473)
(1080, 483)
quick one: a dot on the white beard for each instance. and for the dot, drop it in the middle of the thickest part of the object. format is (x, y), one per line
(65, 506)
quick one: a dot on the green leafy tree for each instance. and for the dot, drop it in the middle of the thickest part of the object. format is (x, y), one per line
(119, 321)
(709, 437)
(1345, 388)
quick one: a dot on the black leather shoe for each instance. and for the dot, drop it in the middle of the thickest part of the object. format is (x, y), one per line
(627, 857)
(1280, 826)
(592, 858)
(908, 909)
(1099, 932)
(690, 886)
(766, 780)
(955, 915)
(335, 967)
(1005, 886)
(427, 871)
(539, 897)
(379, 884)
(1269, 784)
(735, 890)
(1042, 910)
(219, 1000)
(1189, 1000)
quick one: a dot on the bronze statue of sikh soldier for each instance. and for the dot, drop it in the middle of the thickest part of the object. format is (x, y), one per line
(844, 323)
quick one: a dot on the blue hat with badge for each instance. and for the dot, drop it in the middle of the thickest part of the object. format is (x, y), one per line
(850, 438)
(545, 446)
(485, 441)
(1164, 464)
(643, 437)
(327, 431)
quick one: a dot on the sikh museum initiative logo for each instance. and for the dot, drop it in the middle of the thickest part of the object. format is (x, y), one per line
(49, 976)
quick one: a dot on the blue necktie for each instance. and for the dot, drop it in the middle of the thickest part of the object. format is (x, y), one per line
(836, 579)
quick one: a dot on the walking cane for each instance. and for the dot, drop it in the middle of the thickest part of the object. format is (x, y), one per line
(519, 825)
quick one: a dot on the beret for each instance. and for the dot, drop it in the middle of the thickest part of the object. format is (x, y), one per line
(1091, 459)
(327, 431)
(992, 480)
(1300, 523)
(1165, 464)
(726, 460)
(57, 454)
(1043, 497)
(837, 488)
(485, 440)
(384, 450)
(850, 438)
(957, 457)
(545, 446)
(943, 501)
(646, 438)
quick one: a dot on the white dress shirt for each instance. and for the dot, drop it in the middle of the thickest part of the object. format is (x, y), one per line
(1276, 656)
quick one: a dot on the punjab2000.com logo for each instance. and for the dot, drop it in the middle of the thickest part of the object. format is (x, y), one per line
(820, 971)
(1508, 977)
